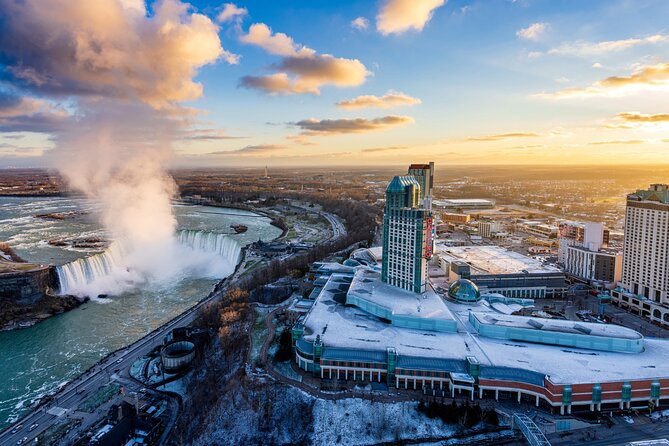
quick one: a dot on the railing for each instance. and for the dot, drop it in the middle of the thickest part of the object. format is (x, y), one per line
(530, 430)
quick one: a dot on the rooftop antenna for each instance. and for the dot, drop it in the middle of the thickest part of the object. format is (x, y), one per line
(266, 175)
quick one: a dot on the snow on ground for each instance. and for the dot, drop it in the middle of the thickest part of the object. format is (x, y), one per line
(355, 421)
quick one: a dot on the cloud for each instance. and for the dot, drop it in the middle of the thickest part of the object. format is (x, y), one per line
(390, 99)
(301, 70)
(533, 32)
(640, 117)
(617, 142)
(28, 114)
(597, 65)
(649, 77)
(360, 23)
(399, 16)
(231, 12)
(315, 127)
(502, 136)
(206, 135)
(260, 149)
(114, 49)
(278, 44)
(562, 80)
(11, 150)
(586, 49)
(384, 149)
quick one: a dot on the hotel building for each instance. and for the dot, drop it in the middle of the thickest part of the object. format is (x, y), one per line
(645, 276)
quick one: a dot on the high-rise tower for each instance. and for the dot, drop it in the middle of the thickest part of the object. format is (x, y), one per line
(424, 174)
(646, 246)
(406, 229)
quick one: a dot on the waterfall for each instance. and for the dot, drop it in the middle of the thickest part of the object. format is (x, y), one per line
(212, 242)
(87, 270)
(200, 253)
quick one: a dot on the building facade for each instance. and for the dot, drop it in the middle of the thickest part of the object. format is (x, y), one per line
(407, 230)
(488, 228)
(646, 244)
(424, 174)
(592, 236)
(593, 266)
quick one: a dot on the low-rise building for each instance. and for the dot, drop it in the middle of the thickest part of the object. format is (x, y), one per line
(499, 270)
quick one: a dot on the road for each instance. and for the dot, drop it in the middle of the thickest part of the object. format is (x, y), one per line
(65, 402)
(338, 228)
(77, 391)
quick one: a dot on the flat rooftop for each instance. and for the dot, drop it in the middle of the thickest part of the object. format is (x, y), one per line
(367, 285)
(494, 260)
(347, 327)
(447, 202)
(557, 326)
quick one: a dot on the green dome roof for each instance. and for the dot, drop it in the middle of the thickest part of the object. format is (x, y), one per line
(464, 290)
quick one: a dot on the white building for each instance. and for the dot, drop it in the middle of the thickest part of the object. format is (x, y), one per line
(646, 243)
(488, 229)
(592, 236)
(594, 266)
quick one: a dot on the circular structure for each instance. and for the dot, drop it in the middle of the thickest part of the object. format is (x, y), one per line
(177, 355)
(464, 291)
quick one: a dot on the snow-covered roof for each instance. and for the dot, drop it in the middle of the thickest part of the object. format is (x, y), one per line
(367, 285)
(344, 329)
(557, 325)
(494, 260)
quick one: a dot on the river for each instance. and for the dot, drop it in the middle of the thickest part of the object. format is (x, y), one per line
(36, 360)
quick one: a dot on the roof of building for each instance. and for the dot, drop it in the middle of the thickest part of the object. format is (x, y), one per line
(463, 290)
(463, 201)
(352, 329)
(367, 284)
(557, 326)
(660, 194)
(494, 260)
(419, 166)
(399, 183)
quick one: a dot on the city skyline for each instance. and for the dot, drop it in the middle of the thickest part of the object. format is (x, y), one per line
(362, 83)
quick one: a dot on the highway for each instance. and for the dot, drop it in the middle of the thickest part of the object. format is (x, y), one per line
(64, 403)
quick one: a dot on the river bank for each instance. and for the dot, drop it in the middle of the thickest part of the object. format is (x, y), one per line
(14, 316)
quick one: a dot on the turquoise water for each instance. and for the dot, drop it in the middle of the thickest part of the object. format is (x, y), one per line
(35, 361)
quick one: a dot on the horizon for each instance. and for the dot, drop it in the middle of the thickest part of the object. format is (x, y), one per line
(355, 84)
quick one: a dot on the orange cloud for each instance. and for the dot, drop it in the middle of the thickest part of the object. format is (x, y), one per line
(651, 77)
(398, 16)
(316, 127)
(301, 70)
(640, 117)
(616, 142)
(110, 49)
(501, 136)
(390, 99)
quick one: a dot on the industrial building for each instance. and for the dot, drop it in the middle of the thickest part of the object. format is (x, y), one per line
(498, 270)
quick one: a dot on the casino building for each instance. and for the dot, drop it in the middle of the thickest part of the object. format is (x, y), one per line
(364, 326)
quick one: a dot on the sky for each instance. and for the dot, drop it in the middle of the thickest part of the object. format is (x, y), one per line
(339, 83)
